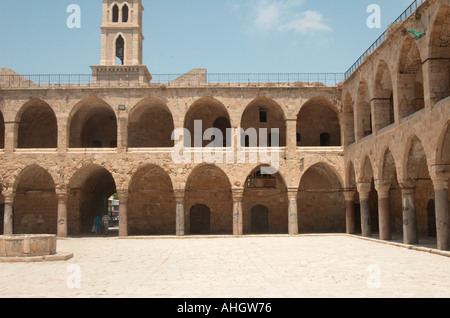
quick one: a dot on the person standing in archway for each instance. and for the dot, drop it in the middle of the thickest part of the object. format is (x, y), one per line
(97, 221)
(106, 220)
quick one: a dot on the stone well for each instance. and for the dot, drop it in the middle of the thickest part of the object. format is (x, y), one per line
(27, 245)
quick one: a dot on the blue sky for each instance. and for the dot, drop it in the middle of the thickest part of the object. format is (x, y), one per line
(224, 36)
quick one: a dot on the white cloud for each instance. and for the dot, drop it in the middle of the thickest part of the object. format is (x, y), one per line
(285, 15)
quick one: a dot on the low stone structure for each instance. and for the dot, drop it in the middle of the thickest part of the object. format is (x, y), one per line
(30, 248)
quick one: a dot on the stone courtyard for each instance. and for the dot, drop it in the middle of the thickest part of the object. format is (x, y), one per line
(330, 266)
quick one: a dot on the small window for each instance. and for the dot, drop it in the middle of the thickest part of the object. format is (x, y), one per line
(263, 116)
(125, 13)
(115, 17)
(299, 139)
(325, 140)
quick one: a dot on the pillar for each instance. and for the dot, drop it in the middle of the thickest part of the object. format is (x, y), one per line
(179, 200)
(123, 213)
(435, 80)
(350, 211)
(8, 214)
(442, 214)
(384, 213)
(11, 135)
(293, 211)
(238, 223)
(364, 190)
(62, 214)
(410, 235)
(291, 138)
(122, 132)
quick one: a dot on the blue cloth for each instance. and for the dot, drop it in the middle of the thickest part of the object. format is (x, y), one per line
(97, 221)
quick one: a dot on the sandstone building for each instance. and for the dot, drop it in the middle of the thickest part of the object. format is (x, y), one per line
(369, 154)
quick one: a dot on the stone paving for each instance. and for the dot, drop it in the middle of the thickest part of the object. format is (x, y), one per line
(330, 266)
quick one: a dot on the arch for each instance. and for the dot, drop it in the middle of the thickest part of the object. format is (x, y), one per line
(383, 97)
(318, 120)
(209, 185)
(417, 176)
(35, 202)
(439, 53)
(37, 126)
(151, 203)
(207, 110)
(348, 120)
(125, 13)
(267, 190)
(388, 176)
(367, 176)
(363, 111)
(115, 13)
(263, 113)
(443, 147)
(223, 124)
(89, 190)
(410, 79)
(321, 202)
(92, 124)
(150, 124)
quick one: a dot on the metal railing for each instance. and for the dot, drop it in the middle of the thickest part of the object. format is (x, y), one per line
(406, 14)
(172, 80)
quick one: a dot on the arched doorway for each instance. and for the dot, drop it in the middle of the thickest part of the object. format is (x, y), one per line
(93, 124)
(35, 203)
(261, 192)
(37, 126)
(200, 220)
(410, 79)
(263, 115)
(89, 191)
(151, 203)
(321, 202)
(209, 186)
(150, 125)
(383, 97)
(318, 124)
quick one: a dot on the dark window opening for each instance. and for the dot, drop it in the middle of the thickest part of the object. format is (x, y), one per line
(120, 49)
(299, 139)
(263, 116)
(115, 13)
(125, 13)
(325, 140)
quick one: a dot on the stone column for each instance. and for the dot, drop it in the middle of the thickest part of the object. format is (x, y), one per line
(10, 137)
(410, 235)
(62, 214)
(364, 190)
(350, 211)
(63, 136)
(122, 132)
(179, 200)
(8, 214)
(442, 214)
(123, 213)
(238, 223)
(293, 211)
(384, 213)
